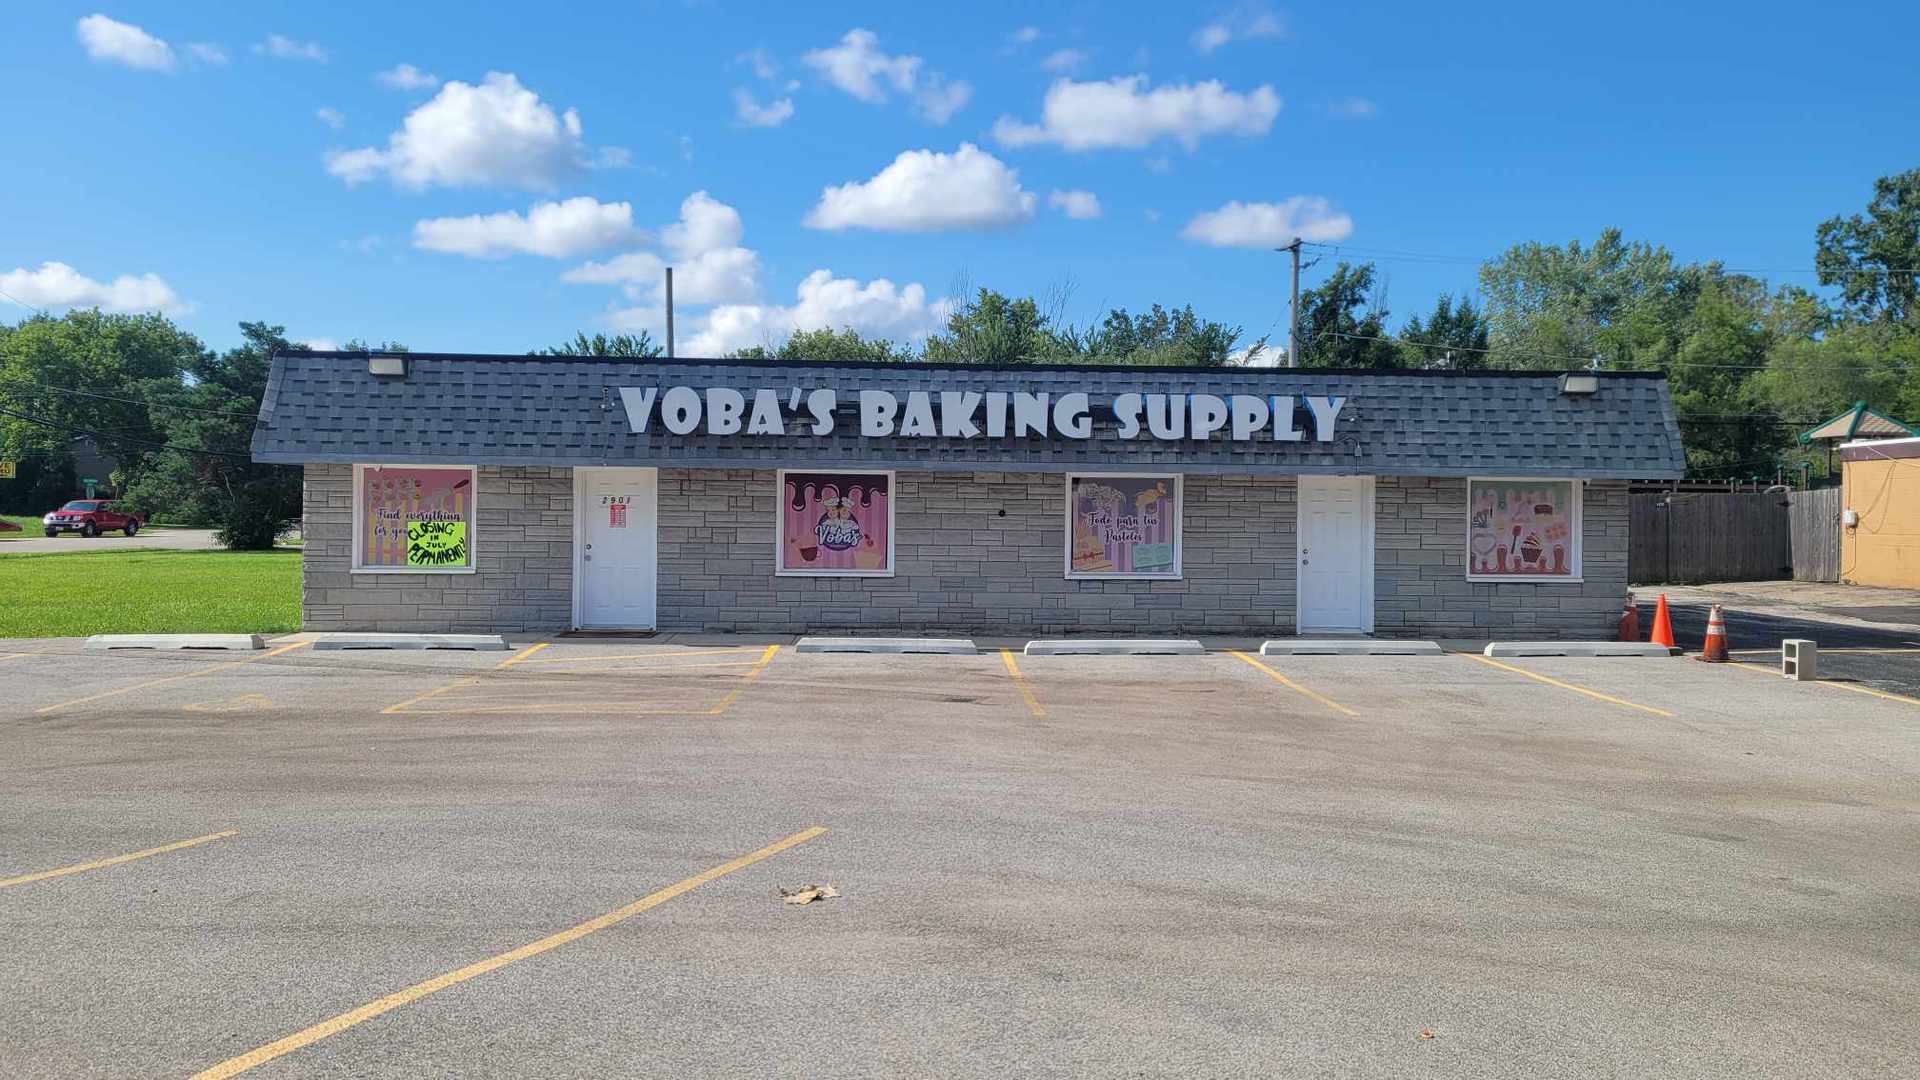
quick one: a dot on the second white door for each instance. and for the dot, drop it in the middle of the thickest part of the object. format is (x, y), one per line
(1335, 548)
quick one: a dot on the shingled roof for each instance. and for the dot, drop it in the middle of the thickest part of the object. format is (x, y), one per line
(545, 410)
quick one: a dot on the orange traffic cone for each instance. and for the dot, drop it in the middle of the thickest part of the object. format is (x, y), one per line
(1714, 651)
(1630, 620)
(1662, 624)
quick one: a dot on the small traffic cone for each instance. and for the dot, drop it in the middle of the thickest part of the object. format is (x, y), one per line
(1714, 651)
(1629, 620)
(1662, 625)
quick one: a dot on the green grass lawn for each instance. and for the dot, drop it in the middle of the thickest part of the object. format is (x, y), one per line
(149, 592)
(29, 527)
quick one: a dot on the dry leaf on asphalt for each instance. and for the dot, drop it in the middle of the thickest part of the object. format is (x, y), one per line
(807, 894)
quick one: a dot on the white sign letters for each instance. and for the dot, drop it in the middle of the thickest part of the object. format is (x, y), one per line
(967, 414)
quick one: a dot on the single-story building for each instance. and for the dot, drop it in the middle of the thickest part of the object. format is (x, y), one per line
(523, 493)
(1880, 513)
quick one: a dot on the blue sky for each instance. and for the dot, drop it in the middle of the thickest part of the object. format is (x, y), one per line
(229, 162)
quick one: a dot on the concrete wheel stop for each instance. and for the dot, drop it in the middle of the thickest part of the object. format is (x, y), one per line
(1577, 648)
(475, 642)
(1115, 647)
(945, 646)
(1348, 647)
(172, 642)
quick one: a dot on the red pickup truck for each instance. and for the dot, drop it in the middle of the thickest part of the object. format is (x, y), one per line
(90, 517)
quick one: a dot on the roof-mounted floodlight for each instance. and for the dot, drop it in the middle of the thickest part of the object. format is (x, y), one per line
(386, 364)
(1574, 382)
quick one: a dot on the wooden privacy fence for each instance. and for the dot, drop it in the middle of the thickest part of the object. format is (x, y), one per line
(1816, 534)
(1690, 537)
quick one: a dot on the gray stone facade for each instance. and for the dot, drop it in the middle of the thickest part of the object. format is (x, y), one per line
(1420, 585)
(523, 558)
(961, 565)
(975, 552)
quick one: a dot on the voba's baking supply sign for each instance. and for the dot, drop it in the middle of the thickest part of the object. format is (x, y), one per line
(993, 414)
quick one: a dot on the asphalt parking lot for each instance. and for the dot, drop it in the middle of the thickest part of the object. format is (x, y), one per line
(564, 861)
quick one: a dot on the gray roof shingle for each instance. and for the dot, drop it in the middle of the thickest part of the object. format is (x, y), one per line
(523, 410)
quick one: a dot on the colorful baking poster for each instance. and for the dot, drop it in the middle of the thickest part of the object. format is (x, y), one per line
(1521, 528)
(836, 523)
(416, 517)
(1125, 525)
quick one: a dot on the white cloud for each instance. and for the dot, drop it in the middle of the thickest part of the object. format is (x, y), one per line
(122, 43)
(858, 67)
(1064, 61)
(612, 157)
(1026, 35)
(703, 247)
(57, 285)
(498, 132)
(1244, 22)
(206, 52)
(331, 117)
(1358, 108)
(879, 308)
(1259, 354)
(754, 114)
(926, 191)
(321, 344)
(761, 61)
(1123, 112)
(281, 47)
(937, 99)
(556, 230)
(1239, 224)
(1076, 204)
(407, 77)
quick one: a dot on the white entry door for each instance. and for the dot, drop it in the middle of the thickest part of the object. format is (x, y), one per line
(615, 547)
(1335, 547)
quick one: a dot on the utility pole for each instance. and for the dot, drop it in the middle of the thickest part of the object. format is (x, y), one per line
(1293, 310)
(669, 312)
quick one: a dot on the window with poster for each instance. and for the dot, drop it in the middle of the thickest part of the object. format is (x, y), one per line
(835, 523)
(1523, 530)
(413, 519)
(1123, 525)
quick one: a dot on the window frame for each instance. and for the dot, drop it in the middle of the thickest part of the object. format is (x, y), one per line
(1577, 527)
(1178, 573)
(360, 524)
(780, 523)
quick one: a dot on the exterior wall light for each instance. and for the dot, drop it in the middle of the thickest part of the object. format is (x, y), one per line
(387, 364)
(1576, 383)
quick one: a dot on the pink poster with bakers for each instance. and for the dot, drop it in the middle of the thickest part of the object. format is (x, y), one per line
(1522, 528)
(836, 523)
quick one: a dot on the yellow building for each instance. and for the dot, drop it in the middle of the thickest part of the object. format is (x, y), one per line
(1880, 513)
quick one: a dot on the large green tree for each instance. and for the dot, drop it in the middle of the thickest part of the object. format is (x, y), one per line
(1453, 336)
(1874, 258)
(1157, 337)
(640, 346)
(1343, 322)
(825, 344)
(994, 328)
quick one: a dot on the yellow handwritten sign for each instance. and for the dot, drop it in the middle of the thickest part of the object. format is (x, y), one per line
(436, 543)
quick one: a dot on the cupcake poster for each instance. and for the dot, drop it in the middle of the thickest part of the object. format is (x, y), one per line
(1520, 528)
(836, 523)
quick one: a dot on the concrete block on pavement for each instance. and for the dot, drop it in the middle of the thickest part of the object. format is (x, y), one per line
(1115, 647)
(948, 646)
(242, 642)
(1576, 648)
(477, 642)
(1348, 647)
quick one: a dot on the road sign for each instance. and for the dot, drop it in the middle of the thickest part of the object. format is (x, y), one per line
(6, 470)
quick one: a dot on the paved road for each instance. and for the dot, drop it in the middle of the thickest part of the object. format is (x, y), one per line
(1059, 867)
(178, 539)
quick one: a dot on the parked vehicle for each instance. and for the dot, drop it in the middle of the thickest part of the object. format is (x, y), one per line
(91, 517)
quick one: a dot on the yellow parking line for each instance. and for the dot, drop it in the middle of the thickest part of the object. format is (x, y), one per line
(549, 676)
(268, 655)
(1019, 680)
(309, 1036)
(101, 864)
(641, 656)
(1594, 694)
(752, 674)
(13, 655)
(1294, 686)
(521, 655)
(1766, 670)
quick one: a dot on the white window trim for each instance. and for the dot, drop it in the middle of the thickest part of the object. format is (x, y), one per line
(1179, 528)
(1578, 527)
(780, 522)
(360, 524)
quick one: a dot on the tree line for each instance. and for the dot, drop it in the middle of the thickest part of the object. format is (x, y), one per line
(1749, 364)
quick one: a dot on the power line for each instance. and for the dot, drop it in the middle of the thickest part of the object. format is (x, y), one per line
(148, 443)
(1430, 256)
(1583, 360)
(250, 414)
